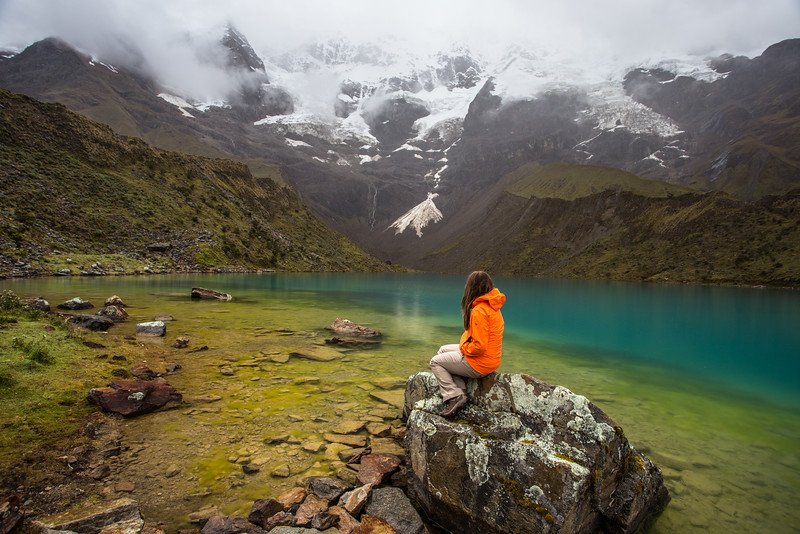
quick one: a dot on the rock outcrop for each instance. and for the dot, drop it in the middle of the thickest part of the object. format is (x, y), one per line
(135, 397)
(525, 456)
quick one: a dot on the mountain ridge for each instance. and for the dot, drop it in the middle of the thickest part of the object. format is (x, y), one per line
(74, 187)
(386, 142)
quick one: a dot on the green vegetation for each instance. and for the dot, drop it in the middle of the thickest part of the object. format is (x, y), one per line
(568, 182)
(582, 221)
(44, 375)
(73, 189)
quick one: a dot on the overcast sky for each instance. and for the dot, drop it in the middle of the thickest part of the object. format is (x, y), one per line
(623, 30)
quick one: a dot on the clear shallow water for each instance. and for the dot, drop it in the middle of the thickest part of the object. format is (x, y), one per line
(706, 380)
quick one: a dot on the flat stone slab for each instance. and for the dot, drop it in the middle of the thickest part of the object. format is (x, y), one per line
(394, 397)
(353, 441)
(317, 353)
(121, 516)
(349, 427)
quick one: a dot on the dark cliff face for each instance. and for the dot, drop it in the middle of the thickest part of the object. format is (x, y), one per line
(240, 54)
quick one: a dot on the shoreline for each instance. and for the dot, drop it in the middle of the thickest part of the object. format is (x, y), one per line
(393, 268)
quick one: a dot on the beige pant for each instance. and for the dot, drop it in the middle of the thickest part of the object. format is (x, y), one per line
(449, 367)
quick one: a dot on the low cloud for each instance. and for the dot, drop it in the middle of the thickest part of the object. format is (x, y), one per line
(163, 38)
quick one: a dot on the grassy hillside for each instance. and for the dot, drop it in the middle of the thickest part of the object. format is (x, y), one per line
(73, 187)
(568, 182)
(620, 235)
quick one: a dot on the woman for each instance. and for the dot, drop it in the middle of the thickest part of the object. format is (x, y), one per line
(481, 345)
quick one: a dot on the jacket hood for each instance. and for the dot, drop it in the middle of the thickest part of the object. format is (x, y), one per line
(493, 298)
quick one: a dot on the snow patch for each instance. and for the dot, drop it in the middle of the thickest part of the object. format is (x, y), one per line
(178, 102)
(296, 143)
(419, 216)
(611, 108)
(406, 146)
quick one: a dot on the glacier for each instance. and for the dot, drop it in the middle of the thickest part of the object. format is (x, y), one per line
(419, 216)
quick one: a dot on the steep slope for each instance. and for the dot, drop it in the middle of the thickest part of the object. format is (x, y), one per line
(74, 186)
(549, 226)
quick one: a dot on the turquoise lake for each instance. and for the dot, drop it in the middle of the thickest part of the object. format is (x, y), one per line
(705, 380)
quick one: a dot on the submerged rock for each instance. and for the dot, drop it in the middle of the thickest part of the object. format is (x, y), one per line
(75, 304)
(525, 453)
(345, 327)
(209, 294)
(121, 516)
(181, 342)
(96, 323)
(134, 397)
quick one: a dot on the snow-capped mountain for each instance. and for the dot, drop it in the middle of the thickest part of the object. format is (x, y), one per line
(396, 147)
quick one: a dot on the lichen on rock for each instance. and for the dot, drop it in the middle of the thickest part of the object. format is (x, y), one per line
(524, 452)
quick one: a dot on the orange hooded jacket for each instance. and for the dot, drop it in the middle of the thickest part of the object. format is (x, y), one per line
(482, 343)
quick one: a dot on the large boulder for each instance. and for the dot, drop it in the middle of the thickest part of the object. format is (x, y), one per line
(209, 294)
(524, 452)
(95, 323)
(135, 397)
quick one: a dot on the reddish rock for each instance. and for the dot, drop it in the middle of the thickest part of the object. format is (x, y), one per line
(311, 506)
(376, 466)
(373, 525)
(134, 397)
(324, 520)
(347, 523)
(281, 519)
(292, 497)
(143, 372)
(354, 501)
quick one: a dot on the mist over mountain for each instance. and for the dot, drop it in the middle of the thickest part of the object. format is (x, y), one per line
(403, 126)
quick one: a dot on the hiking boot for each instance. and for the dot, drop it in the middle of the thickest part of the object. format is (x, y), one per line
(451, 406)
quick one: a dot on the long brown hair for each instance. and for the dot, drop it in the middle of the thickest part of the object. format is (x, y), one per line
(478, 283)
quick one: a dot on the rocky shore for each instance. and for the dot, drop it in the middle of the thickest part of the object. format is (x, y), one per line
(523, 456)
